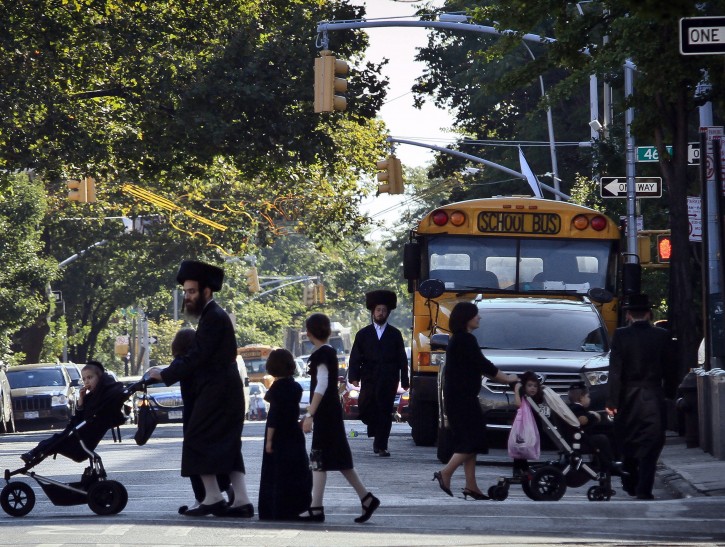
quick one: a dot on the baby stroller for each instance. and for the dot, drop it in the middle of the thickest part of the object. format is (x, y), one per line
(103, 496)
(548, 481)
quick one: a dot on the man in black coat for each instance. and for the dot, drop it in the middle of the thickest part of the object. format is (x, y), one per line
(378, 363)
(642, 371)
(212, 434)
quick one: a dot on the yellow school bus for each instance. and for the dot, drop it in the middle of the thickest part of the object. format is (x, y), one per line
(255, 360)
(503, 247)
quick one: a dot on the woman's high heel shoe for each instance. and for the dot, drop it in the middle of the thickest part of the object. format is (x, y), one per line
(438, 477)
(474, 495)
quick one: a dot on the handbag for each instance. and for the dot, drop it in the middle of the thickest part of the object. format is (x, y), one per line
(524, 442)
(147, 421)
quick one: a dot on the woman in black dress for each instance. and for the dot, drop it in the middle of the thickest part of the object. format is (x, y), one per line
(465, 368)
(330, 450)
(284, 490)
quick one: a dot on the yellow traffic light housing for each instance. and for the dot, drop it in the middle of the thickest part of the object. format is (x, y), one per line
(319, 293)
(83, 191)
(391, 173)
(328, 83)
(308, 295)
(664, 247)
(643, 249)
(253, 280)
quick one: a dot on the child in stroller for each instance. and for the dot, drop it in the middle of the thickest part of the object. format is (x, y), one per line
(548, 481)
(96, 399)
(99, 409)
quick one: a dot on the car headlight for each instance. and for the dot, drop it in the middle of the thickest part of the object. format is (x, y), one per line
(354, 394)
(597, 377)
(59, 400)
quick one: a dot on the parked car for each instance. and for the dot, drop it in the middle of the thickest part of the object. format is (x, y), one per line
(351, 411)
(7, 417)
(129, 406)
(561, 341)
(74, 372)
(42, 393)
(165, 400)
(305, 400)
(258, 407)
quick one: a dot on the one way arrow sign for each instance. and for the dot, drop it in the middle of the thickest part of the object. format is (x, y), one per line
(616, 187)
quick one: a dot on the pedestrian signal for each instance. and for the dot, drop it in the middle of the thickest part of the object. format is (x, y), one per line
(664, 247)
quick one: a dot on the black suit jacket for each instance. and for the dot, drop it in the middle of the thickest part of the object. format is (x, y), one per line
(383, 359)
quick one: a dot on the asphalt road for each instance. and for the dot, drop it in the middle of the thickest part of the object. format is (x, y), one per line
(413, 512)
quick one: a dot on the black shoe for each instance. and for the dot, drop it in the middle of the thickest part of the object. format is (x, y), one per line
(242, 511)
(314, 514)
(383, 453)
(218, 509)
(373, 504)
(184, 508)
(474, 495)
(376, 450)
(438, 477)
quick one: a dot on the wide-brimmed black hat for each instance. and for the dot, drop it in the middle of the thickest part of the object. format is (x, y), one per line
(636, 302)
(382, 296)
(206, 274)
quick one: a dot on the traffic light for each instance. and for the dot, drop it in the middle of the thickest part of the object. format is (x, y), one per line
(328, 84)
(391, 173)
(308, 295)
(253, 280)
(82, 190)
(664, 247)
(643, 249)
(319, 293)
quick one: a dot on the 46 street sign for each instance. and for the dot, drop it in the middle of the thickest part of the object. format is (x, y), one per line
(616, 187)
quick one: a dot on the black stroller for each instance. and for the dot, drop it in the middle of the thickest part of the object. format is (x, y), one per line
(548, 481)
(103, 496)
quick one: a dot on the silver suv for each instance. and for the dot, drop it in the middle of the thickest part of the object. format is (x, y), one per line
(42, 394)
(562, 341)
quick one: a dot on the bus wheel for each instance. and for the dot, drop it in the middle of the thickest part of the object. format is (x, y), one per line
(424, 423)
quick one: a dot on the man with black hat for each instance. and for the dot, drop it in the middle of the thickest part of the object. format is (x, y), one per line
(642, 371)
(377, 364)
(212, 435)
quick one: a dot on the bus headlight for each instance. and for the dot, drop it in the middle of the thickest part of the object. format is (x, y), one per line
(437, 359)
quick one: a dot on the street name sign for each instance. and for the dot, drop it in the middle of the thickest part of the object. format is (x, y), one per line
(651, 154)
(616, 187)
(702, 35)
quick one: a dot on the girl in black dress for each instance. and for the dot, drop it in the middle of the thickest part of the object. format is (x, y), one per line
(330, 450)
(284, 490)
(465, 368)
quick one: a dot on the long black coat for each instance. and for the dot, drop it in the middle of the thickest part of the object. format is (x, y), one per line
(285, 489)
(465, 368)
(212, 436)
(379, 365)
(642, 370)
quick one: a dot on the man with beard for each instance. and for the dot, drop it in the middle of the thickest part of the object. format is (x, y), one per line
(212, 435)
(642, 371)
(377, 364)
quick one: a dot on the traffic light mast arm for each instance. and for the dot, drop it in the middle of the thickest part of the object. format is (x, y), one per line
(294, 281)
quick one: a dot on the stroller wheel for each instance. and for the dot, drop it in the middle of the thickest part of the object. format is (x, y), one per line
(526, 487)
(498, 492)
(17, 499)
(547, 484)
(599, 493)
(107, 497)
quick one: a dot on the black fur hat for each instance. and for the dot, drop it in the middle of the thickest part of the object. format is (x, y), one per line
(382, 296)
(206, 274)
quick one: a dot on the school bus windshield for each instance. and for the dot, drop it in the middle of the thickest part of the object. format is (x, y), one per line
(519, 264)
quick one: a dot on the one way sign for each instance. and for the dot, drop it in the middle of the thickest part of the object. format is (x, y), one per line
(616, 187)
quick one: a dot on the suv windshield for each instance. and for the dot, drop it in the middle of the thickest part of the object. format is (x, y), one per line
(41, 377)
(541, 328)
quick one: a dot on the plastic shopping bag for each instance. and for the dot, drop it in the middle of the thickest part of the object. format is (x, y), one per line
(524, 442)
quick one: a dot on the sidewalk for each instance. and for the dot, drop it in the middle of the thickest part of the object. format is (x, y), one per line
(690, 472)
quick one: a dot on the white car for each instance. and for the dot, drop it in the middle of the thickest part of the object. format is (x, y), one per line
(258, 407)
(305, 401)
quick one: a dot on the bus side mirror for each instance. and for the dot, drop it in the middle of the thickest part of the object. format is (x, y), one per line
(439, 342)
(600, 296)
(432, 288)
(411, 261)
